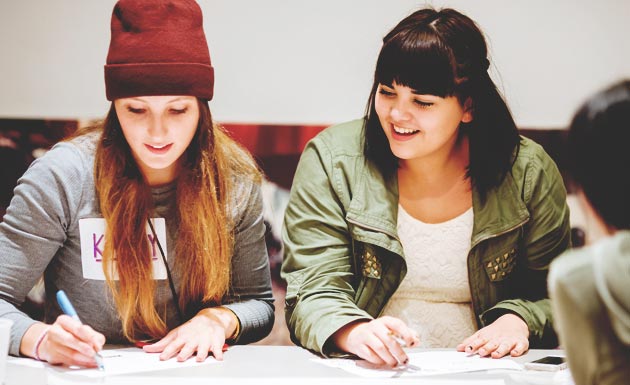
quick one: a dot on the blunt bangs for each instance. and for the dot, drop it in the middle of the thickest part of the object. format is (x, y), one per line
(418, 60)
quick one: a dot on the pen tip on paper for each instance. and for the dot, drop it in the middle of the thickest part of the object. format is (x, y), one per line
(99, 361)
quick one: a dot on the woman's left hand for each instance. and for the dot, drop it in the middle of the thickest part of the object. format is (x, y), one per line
(204, 333)
(508, 334)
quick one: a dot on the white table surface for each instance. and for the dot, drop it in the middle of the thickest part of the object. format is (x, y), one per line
(267, 365)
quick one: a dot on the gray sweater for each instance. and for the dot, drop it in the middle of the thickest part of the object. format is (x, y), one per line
(40, 235)
(590, 293)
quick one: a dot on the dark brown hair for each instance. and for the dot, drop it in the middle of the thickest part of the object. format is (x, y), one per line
(444, 53)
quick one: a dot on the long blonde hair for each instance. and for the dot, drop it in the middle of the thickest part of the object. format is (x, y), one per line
(210, 167)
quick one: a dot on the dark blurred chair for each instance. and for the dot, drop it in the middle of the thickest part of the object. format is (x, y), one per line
(578, 237)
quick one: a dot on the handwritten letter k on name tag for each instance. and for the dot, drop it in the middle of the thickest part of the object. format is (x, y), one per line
(92, 232)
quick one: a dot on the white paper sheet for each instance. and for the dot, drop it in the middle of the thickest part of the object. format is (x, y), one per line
(135, 360)
(135, 380)
(429, 364)
(119, 361)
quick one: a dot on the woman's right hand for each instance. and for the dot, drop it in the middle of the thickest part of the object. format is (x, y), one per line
(69, 342)
(375, 340)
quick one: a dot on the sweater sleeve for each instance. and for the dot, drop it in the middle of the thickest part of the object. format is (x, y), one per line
(250, 296)
(34, 229)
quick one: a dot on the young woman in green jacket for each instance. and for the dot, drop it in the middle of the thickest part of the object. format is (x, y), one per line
(430, 220)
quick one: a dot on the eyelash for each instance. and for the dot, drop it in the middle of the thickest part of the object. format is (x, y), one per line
(420, 103)
(142, 110)
(135, 110)
(423, 104)
(384, 92)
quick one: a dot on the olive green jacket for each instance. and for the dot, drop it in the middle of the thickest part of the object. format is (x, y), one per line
(343, 259)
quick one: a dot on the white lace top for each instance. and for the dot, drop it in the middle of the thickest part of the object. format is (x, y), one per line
(434, 298)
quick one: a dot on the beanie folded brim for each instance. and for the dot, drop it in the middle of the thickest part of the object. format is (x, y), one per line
(151, 79)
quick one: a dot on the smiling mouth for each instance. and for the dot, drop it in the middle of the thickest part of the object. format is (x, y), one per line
(404, 131)
(159, 149)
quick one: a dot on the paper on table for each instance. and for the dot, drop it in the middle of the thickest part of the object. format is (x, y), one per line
(135, 380)
(457, 362)
(431, 363)
(135, 360)
(120, 361)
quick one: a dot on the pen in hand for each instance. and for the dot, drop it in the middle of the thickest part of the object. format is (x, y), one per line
(68, 309)
(401, 342)
(398, 340)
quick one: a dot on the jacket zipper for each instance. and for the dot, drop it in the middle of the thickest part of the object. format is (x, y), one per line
(472, 297)
(501, 233)
(368, 227)
(374, 229)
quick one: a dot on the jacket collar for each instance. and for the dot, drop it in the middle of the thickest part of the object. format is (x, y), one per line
(374, 206)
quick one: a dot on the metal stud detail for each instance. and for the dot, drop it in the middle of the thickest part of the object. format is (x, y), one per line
(371, 266)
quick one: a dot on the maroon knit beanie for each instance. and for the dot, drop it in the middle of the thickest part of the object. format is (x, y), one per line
(158, 47)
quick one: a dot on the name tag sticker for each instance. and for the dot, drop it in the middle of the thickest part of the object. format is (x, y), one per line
(92, 232)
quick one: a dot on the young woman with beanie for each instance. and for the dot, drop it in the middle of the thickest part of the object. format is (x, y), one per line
(429, 221)
(152, 221)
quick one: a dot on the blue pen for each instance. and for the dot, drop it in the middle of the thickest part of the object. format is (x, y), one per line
(68, 309)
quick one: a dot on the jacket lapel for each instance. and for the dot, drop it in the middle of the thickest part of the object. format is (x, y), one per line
(501, 211)
(373, 210)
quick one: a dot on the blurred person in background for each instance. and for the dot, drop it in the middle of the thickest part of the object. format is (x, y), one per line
(590, 286)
